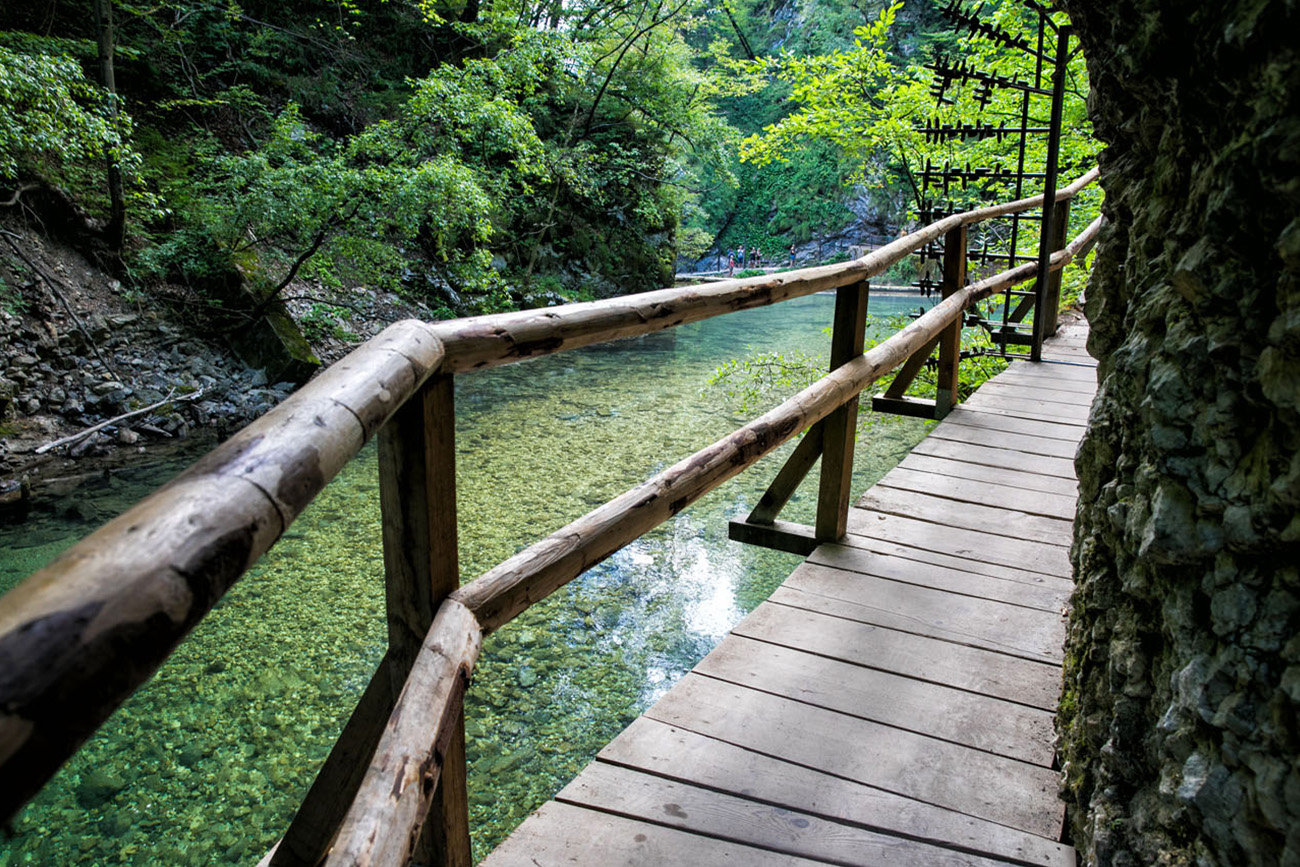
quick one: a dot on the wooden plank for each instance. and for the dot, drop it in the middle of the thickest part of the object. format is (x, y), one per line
(1013, 629)
(1045, 392)
(998, 458)
(1044, 594)
(1004, 551)
(779, 536)
(685, 756)
(1057, 370)
(994, 475)
(903, 653)
(947, 775)
(562, 834)
(956, 562)
(643, 797)
(1033, 378)
(974, 491)
(1069, 354)
(973, 417)
(997, 520)
(1004, 407)
(1067, 344)
(1010, 442)
(907, 405)
(988, 724)
(1067, 377)
(1031, 408)
(992, 494)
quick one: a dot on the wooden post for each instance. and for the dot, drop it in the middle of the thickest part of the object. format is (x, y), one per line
(1059, 237)
(954, 278)
(417, 493)
(840, 428)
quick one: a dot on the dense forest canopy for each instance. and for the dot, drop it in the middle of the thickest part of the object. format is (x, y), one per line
(481, 154)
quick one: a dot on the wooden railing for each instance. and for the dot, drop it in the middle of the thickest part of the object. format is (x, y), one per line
(79, 636)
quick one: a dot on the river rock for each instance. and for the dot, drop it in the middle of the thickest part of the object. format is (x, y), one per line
(99, 786)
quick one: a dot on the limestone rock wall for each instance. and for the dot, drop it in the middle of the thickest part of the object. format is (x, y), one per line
(1179, 720)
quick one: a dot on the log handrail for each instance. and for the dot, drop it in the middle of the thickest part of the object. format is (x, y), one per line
(505, 591)
(480, 342)
(81, 635)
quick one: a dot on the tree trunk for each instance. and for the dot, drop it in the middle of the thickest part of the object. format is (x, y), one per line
(115, 231)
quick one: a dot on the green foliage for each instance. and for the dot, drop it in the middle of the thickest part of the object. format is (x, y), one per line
(52, 118)
(1074, 280)
(759, 381)
(11, 298)
(869, 105)
(324, 320)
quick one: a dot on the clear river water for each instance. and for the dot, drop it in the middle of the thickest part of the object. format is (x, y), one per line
(206, 763)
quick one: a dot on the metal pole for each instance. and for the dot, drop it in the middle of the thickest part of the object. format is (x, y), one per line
(1049, 193)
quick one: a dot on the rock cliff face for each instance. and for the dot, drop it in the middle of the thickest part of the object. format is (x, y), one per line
(1181, 713)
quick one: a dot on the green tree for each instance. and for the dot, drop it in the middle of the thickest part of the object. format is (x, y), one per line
(871, 105)
(55, 126)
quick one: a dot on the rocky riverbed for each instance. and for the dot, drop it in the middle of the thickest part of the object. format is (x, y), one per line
(56, 382)
(79, 350)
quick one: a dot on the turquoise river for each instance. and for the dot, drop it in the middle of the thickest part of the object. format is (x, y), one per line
(205, 764)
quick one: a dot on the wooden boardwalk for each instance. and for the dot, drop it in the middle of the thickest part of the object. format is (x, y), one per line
(892, 702)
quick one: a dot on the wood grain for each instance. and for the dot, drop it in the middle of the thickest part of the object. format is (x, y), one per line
(967, 718)
(684, 756)
(1012, 629)
(961, 432)
(385, 821)
(1043, 593)
(997, 458)
(1003, 477)
(973, 417)
(722, 816)
(562, 835)
(998, 520)
(930, 770)
(975, 492)
(969, 544)
(907, 654)
(959, 561)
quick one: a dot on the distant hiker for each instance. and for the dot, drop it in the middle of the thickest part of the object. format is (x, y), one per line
(792, 255)
(755, 258)
(731, 264)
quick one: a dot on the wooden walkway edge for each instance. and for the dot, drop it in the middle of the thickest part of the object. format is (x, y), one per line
(891, 703)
